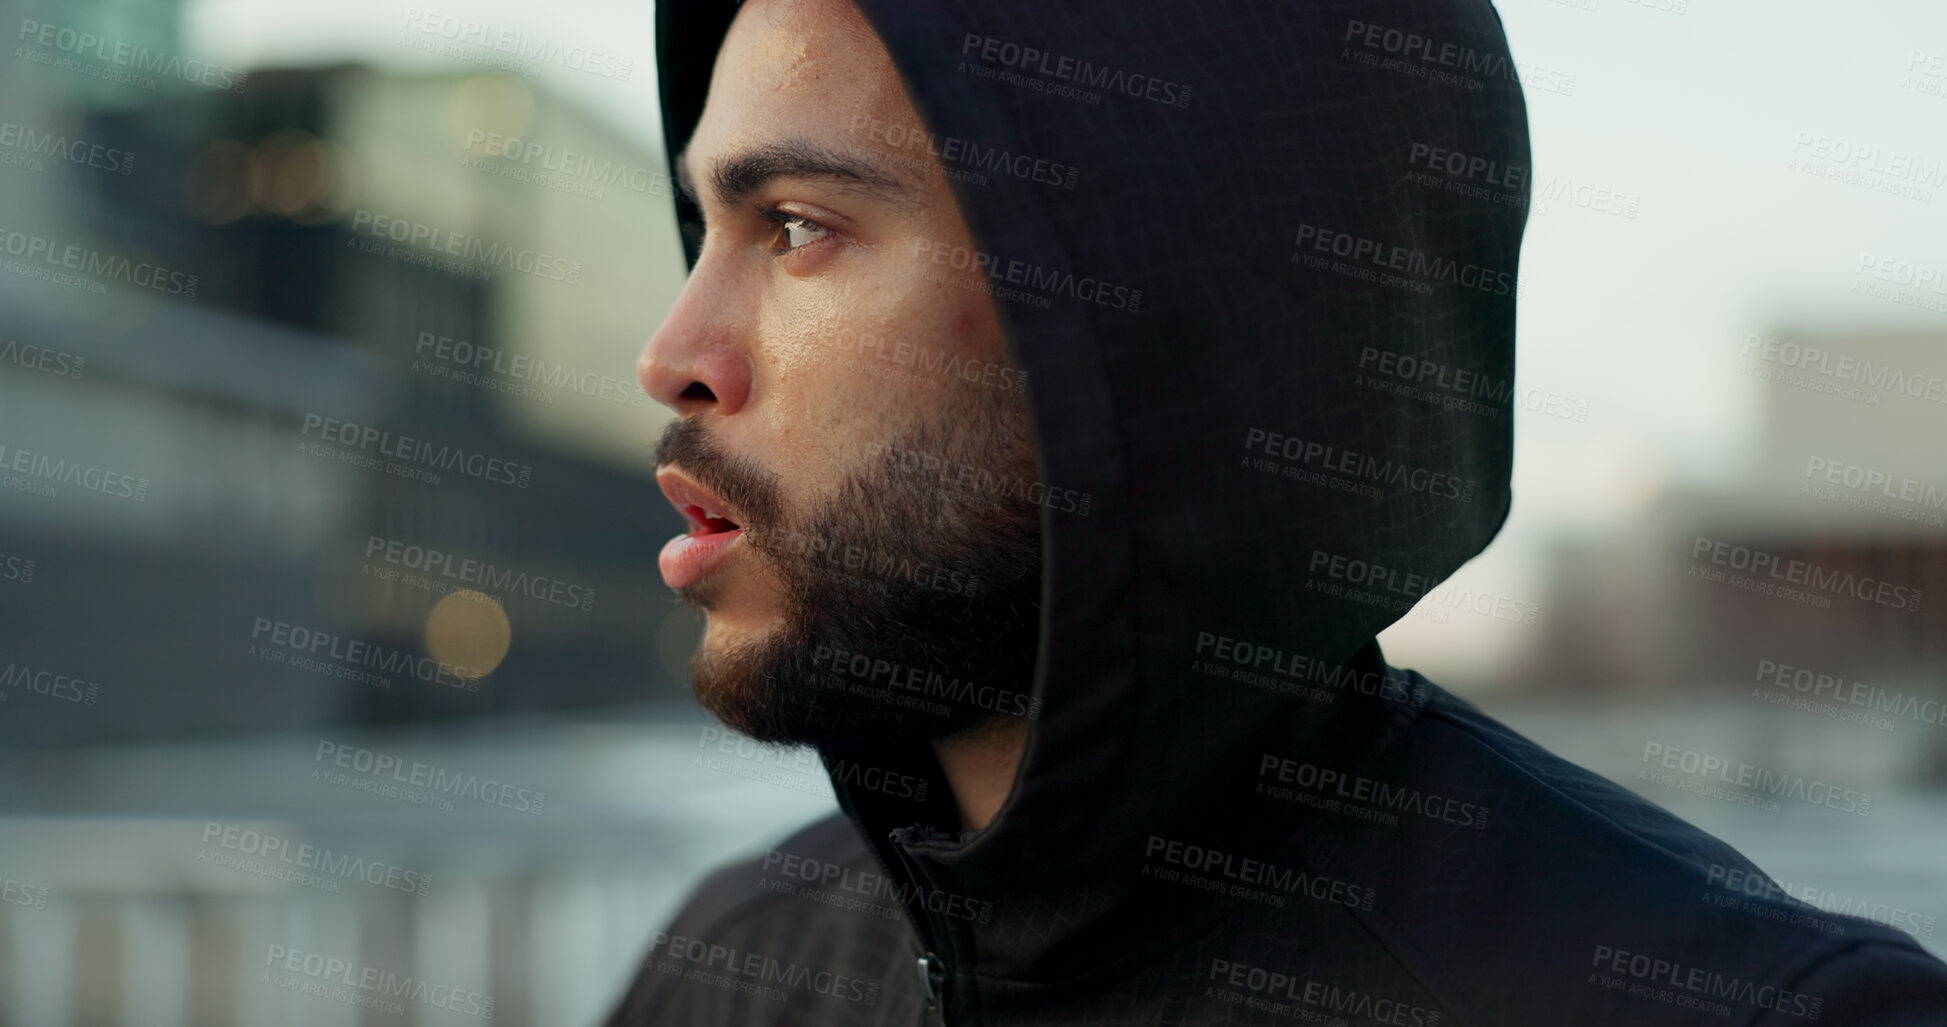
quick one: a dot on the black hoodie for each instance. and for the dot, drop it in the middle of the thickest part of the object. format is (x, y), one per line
(1274, 345)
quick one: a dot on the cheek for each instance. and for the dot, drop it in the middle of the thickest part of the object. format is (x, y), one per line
(847, 361)
(976, 331)
(836, 379)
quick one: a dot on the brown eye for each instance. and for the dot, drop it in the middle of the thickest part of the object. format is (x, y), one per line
(799, 231)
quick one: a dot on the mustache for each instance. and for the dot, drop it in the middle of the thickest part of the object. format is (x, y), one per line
(742, 483)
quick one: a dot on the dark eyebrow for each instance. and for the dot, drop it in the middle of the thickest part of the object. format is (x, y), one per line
(736, 177)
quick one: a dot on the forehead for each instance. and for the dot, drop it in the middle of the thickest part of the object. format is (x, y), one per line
(798, 67)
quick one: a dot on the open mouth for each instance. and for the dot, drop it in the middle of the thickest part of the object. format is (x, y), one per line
(713, 533)
(705, 521)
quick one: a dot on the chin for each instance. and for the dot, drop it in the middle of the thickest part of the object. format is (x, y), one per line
(729, 600)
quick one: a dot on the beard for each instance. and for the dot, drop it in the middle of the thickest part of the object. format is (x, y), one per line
(911, 598)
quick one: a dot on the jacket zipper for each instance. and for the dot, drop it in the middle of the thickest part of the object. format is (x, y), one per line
(933, 971)
(932, 974)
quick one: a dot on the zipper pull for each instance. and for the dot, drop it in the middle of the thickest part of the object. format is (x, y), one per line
(932, 978)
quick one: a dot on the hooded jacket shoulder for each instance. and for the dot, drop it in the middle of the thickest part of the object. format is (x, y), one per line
(1613, 909)
(803, 932)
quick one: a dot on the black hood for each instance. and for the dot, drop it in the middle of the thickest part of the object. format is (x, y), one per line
(1269, 332)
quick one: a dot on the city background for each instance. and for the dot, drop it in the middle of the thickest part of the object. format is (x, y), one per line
(1733, 339)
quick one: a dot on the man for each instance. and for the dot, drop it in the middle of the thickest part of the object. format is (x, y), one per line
(1053, 449)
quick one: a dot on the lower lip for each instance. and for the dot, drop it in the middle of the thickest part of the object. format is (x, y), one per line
(688, 559)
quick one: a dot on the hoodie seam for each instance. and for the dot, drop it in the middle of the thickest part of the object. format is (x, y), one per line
(1405, 726)
(1474, 735)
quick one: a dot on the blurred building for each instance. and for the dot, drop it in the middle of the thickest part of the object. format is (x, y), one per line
(1828, 554)
(454, 272)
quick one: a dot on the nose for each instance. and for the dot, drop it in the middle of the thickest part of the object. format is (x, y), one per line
(698, 361)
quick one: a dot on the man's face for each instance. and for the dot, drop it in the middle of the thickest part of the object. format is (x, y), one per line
(838, 408)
